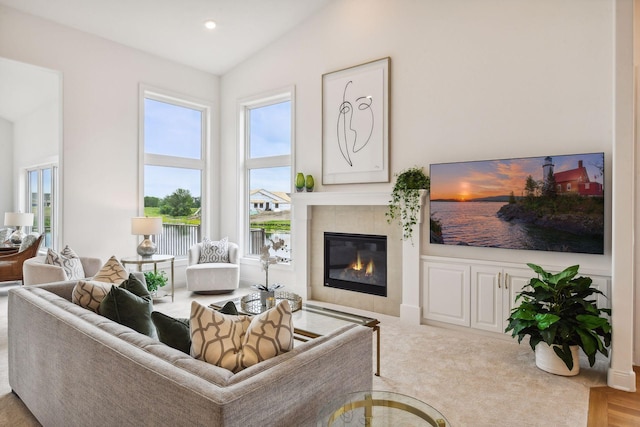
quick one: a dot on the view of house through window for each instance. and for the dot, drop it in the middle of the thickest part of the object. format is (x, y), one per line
(268, 173)
(174, 138)
(42, 197)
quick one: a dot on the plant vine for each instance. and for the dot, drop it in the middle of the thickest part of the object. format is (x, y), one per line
(404, 205)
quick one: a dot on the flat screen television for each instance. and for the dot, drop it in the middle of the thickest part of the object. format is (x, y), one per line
(547, 203)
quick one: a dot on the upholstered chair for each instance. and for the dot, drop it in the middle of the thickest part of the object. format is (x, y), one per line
(11, 265)
(213, 277)
(36, 271)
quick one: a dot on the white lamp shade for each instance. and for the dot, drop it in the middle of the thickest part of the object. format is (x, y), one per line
(146, 226)
(18, 219)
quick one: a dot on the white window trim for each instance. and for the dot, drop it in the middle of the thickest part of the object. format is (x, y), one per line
(267, 98)
(208, 215)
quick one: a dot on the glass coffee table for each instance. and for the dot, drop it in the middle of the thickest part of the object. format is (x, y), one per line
(312, 321)
(379, 408)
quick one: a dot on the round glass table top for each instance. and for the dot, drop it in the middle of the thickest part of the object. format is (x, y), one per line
(379, 408)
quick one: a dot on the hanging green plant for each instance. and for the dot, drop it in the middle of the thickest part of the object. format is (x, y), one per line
(404, 205)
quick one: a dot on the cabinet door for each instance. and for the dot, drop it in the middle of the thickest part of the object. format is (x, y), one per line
(515, 279)
(486, 298)
(445, 292)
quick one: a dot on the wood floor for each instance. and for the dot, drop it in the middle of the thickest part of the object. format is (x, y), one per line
(609, 407)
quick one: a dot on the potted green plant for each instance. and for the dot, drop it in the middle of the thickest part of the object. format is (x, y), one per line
(559, 312)
(404, 205)
(155, 280)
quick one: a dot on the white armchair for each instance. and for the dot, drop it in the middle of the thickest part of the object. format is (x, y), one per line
(35, 271)
(213, 277)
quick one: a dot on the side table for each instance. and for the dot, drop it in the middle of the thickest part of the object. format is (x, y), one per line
(153, 259)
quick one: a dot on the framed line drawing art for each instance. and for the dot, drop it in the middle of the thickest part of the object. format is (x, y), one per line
(355, 124)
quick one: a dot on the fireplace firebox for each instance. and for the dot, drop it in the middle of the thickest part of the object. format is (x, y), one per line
(356, 262)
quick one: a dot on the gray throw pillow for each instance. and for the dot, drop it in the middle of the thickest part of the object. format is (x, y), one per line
(214, 251)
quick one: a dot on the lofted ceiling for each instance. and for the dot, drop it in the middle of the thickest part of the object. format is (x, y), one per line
(174, 29)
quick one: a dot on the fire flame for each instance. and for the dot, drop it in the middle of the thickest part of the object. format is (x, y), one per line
(359, 266)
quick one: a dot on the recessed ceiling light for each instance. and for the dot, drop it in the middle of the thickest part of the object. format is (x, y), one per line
(210, 24)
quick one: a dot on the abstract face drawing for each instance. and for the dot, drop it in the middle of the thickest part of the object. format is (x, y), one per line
(355, 123)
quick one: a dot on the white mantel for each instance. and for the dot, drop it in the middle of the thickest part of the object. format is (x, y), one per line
(410, 309)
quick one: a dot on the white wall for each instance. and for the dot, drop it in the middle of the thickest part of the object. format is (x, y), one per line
(6, 172)
(470, 80)
(100, 127)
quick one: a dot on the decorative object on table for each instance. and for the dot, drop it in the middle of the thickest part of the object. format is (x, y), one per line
(308, 183)
(355, 124)
(18, 220)
(300, 182)
(557, 311)
(155, 280)
(405, 202)
(266, 258)
(252, 303)
(146, 226)
(267, 292)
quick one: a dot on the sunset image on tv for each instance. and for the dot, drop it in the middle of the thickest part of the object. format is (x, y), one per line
(550, 203)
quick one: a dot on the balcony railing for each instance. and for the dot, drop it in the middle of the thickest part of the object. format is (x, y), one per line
(176, 239)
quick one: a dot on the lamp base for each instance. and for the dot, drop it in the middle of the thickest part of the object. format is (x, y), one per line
(146, 248)
(17, 236)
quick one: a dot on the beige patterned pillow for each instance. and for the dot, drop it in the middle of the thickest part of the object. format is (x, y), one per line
(111, 272)
(68, 261)
(237, 342)
(216, 338)
(89, 294)
(269, 334)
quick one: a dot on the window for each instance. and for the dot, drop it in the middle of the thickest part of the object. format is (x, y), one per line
(267, 146)
(173, 138)
(41, 193)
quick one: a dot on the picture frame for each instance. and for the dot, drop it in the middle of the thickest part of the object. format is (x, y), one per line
(355, 124)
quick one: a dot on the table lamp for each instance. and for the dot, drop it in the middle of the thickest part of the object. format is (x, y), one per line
(146, 226)
(18, 220)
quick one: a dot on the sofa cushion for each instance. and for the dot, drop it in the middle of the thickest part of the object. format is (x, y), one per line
(68, 261)
(130, 304)
(172, 332)
(175, 333)
(214, 251)
(90, 293)
(112, 272)
(269, 334)
(237, 342)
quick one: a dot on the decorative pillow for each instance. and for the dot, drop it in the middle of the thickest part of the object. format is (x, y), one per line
(4, 234)
(89, 294)
(269, 334)
(216, 338)
(237, 342)
(70, 263)
(111, 272)
(27, 241)
(130, 304)
(172, 332)
(214, 251)
(175, 332)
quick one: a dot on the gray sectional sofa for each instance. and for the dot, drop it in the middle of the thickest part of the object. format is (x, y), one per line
(72, 367)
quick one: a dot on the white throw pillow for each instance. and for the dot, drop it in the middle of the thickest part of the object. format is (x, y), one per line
(237, 342)
(112, 272)
(68, 260)
(214, 251)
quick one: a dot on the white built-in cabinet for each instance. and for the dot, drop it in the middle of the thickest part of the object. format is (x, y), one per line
(481, 294)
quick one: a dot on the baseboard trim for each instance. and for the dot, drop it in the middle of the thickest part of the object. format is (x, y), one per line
(621, 380)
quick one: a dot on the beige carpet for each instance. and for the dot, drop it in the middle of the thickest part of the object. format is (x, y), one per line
(474, 380)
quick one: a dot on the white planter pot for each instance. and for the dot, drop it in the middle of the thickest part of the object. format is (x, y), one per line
(548, 360)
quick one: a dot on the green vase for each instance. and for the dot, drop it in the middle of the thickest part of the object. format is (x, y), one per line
(300, 182)
(309, 183)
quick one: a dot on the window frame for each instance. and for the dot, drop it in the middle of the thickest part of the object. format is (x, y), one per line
(201, 164)
(39, 218)
(286, 94)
